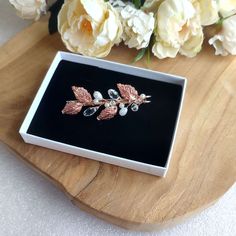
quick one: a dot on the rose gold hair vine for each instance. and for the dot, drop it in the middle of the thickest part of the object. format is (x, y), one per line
(128, 98)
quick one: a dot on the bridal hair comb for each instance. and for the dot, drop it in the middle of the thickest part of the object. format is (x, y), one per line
(128, 97)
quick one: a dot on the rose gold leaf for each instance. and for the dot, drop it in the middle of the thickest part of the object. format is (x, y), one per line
(81, 94)
(72, 108)
(127, 91)
(107, 113)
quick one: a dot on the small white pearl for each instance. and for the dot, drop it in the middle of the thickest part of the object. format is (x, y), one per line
(96, 101)
(123, 111)
(112, 103)
(142, 96)
(122, 105)
(107, 105)
(97, 95)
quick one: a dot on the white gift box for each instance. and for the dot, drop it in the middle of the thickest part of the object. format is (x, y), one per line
(141, 140)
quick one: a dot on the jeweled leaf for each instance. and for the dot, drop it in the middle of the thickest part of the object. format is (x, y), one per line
(81, 94)
(72, 108)
(127, 91)
(108, 113)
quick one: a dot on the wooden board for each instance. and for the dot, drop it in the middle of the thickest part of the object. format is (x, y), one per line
(204, 157)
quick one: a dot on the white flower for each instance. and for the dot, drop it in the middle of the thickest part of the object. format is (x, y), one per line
(118, 4)
(89, 27)
(29, 9)
(178, 29)
(137, 27)
(227, 7)
(225, 42)
(208, 10)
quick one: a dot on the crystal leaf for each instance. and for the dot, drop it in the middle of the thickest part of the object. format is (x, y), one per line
(134, 107)
(113, 94)
(90, 111)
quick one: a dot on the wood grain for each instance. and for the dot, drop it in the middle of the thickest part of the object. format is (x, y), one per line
(204, 157)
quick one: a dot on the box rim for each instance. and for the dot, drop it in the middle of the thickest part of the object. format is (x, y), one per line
(95, 155)
(182, 81)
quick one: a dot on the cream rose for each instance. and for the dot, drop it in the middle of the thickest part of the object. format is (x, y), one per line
(89, 27)
(225, 41)
(117, 4)
(137, 27)
(29, 9)
(227, 7)
(208, 10)
(178, 29)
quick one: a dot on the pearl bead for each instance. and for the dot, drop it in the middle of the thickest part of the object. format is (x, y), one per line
(112, 103)
(96, 101)
(123, 111)
(107, 105)
(122, 105)
(142, 96)
(97, 95)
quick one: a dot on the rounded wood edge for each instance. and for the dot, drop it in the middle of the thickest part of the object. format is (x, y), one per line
(138, 226)
(123, 223)
(171, 67)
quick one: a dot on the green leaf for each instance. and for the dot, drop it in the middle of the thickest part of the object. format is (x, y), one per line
(149, 48)
(54, 9)
(140, 55)
(148, 55)
(220, 21)
(137, 3)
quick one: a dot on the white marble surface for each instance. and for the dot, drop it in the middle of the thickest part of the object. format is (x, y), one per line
(32, 206)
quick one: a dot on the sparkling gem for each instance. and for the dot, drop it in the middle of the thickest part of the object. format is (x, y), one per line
(121, 105)
(90, 111)
(134, 107)
(123, 111)
(113, 94)
(97, 95)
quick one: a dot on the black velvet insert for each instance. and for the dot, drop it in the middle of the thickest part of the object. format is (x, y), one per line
(143, 136)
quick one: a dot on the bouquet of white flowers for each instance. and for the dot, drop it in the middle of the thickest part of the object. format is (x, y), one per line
(163, 27)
